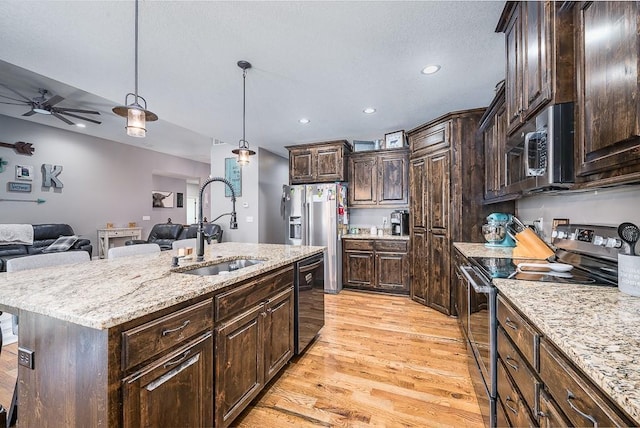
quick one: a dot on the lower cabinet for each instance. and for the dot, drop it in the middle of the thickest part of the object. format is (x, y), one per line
(539, 386)
(175, 390)
(251, 348)
(376, 265)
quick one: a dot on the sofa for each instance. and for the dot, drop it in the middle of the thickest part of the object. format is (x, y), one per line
(164, 234)
(43, 236)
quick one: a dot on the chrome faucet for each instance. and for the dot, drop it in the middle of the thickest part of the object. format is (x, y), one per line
(233, 223)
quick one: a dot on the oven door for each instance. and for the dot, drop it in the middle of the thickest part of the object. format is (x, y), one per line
(481, 322)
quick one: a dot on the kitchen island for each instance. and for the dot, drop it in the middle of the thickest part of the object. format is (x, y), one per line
(595, 327)
(135, 341)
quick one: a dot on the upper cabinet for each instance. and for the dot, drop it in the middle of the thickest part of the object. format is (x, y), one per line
(318, 162)
(540, 60)
(379, 179)
(608, 106)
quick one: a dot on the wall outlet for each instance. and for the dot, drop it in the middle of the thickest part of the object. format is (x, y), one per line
(25, 358)
(249, 219)
(146, 217)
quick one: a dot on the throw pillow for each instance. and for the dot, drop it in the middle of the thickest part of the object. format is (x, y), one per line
(63, 243)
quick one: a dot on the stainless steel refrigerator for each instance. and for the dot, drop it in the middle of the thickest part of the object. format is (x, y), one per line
(316, 214)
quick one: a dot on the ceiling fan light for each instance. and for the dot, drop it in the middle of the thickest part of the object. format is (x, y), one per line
(136, 123)
(41, 110)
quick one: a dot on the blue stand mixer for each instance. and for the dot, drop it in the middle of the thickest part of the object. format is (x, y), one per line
(495, 231)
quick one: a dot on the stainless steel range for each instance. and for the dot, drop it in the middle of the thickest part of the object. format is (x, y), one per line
(592, 253)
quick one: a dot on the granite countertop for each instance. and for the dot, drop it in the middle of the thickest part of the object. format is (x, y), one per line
(104, 293)
(370, 236)
(596, 327)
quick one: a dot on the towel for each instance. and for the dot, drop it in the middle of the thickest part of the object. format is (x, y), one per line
(13, 234)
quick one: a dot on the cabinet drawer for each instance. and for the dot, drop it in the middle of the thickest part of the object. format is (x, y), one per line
(429, 139)
(357, 244)
(392, 246)
(525, 337)
(253, 292)
(549, 414)
(577, 397)
(515, 407)
(522, 376)
(148, 340)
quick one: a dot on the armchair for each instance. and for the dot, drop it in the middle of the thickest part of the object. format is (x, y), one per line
(162, 234)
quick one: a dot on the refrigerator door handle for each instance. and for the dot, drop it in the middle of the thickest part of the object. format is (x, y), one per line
(307, 225)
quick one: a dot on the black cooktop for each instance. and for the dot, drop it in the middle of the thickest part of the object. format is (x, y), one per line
(507, 268)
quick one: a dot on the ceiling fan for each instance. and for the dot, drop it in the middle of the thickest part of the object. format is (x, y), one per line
(43, 105)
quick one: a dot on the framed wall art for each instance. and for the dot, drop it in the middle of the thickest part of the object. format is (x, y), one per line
(394, 140)
(161, 199)
(24, 172)
(233, 173)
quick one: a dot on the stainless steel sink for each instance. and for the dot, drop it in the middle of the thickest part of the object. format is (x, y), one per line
(224, 268)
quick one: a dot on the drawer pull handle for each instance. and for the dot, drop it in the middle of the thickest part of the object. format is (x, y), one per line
(177, 360)
(512, 365)
(515, 411)
(570, 398)
(511, 324)
(172, 330)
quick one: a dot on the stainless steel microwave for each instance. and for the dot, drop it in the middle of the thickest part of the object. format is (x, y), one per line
(540, 155)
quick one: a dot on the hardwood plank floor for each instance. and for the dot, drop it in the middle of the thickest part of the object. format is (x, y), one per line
(380, 361)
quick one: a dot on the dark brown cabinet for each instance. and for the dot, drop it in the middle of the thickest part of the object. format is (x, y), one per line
(376, 265)
(318, 162)
(539, 58)
(176, 390)
(252, 345)
(379, 178)
(446, 182)
(607, 108)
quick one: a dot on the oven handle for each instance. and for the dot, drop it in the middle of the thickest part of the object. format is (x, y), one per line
(465, 271)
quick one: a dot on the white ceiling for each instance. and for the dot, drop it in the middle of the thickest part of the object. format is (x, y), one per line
(326, 61)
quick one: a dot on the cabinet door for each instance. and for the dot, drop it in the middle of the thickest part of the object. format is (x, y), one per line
(301, 166)
(363, 178)
(491, 188)
(394, 179)
(513, 79)
(536, 51)
(437, 196)
(176, 390)
(418, 174)
(358, 268)
(550, 415)
(329, 164)
(439, 276)
(239, 364)
(419, 265)
(608, 87)
(278, 347)
(392, 272)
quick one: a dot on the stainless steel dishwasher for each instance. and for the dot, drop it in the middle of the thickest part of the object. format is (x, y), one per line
(309, 301)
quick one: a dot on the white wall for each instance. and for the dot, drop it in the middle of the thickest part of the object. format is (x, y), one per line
(258, 207)
(608, 207)
(174, 185)
(104, 181)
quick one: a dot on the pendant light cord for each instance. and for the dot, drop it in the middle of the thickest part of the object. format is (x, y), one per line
(244, 103)
(136, 55)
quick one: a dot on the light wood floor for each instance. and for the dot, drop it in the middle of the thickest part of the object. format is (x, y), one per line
(380, 361)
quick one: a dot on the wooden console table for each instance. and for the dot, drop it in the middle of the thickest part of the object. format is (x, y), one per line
(104, 235)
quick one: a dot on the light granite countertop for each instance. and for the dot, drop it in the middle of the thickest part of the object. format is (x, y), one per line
(104, 293)
(472, 249)
(370, 236)
(598, 328)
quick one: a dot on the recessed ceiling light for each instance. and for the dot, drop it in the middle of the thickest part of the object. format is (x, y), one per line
(430, 69)
(81, 125)
(304, 121)
(369, 110)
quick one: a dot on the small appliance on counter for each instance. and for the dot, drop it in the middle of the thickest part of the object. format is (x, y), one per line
(400, 222)
(495, 231)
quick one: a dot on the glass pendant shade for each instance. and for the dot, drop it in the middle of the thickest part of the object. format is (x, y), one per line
(136, 123)
(243, 157)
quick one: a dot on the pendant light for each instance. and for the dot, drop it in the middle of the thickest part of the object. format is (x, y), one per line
(243, 150)
(137, 115)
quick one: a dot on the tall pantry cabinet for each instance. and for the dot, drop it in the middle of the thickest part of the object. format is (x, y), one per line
(446, 178)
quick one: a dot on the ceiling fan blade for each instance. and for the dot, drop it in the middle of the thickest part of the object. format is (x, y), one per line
(62, 118)
(12, 99)
(16, 92)
(54, 100)
(29, 113)
(75, 110)
(79, 117)
(12, 104)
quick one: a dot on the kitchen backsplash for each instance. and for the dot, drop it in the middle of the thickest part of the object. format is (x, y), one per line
(608, 207)
(367, 217)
